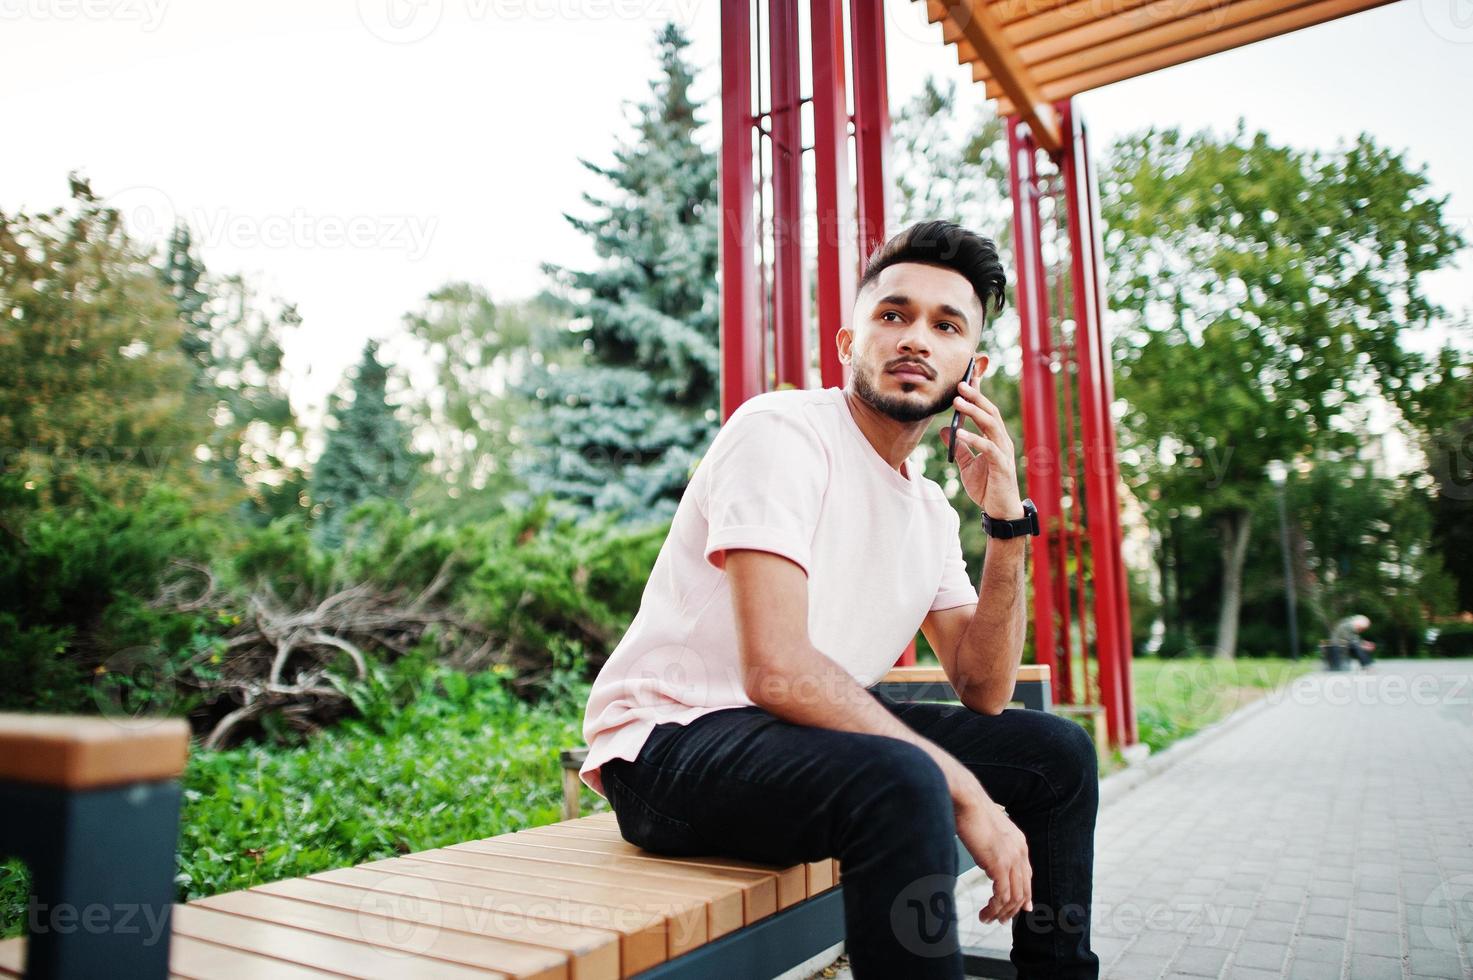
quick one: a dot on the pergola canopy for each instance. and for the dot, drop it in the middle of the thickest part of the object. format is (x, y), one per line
(1032, 53)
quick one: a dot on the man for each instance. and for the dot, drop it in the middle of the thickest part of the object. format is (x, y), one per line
(1346, 636)
(735, 718)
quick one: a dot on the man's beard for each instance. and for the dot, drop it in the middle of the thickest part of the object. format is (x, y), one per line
(899, 409)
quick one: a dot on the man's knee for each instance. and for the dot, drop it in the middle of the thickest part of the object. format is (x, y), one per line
(1075, 759)
(900, 771)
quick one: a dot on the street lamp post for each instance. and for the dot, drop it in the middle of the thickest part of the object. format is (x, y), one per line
(1278, 475)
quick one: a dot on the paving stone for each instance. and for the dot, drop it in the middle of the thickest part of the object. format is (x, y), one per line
(1314, 970)
(1374, 968)
(1266, 956)
(1206, 961)
(1330, 926)
(1315, 948)
(1376, 943)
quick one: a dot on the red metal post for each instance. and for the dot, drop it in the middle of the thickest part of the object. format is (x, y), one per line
(786, 127)
(871, 123)
(837, 270)
(1097, 250)
(1095, 423)
(741, 331)
(1040, 425)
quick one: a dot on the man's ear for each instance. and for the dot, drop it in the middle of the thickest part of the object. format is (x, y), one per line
(981, 367)
(843, 340)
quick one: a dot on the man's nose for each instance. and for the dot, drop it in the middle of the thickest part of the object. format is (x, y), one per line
(916, 339)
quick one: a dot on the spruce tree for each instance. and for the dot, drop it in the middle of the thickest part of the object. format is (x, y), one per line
(626, 421)
(368, 453)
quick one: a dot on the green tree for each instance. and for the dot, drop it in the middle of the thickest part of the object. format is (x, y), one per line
(465, 406)
(1441, 413)
(368, 454)
(622, 427)
(1263, 293)
(234, 349)
(94, 383)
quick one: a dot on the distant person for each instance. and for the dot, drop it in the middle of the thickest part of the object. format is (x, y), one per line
(1346, 636)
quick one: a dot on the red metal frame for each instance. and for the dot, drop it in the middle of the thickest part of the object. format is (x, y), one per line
(741, 331)
(786, 128)
(1040, 416)
(852, 221)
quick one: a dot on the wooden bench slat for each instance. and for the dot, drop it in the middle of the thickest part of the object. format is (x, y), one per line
(639, 937)
(934, 673)
(427, 937)
(758, 888)
(194, 959)
(12, 956)
(723, 902)
(791, 882)
(312, 948)
(682, 920)
(87, 753)
(592, 954)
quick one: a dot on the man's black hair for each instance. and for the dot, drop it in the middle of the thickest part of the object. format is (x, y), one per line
(949, 245)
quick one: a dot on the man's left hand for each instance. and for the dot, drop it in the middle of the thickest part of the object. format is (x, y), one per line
(988, 469)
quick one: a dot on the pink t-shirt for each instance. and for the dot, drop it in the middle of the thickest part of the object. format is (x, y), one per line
(789, 472)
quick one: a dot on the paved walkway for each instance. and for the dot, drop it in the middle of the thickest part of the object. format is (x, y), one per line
(1330, 835)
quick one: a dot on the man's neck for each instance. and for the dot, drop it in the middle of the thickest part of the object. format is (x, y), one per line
(893, 440)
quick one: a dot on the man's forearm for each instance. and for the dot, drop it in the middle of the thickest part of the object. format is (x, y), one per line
(991, 647)
(811, 689)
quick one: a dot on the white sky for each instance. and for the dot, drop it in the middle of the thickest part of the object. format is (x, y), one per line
(352, 156)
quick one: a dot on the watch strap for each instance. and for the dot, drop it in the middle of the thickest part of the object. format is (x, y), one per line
(1027, 525)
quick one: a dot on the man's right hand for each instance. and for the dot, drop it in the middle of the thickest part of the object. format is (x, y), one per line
(996, 844)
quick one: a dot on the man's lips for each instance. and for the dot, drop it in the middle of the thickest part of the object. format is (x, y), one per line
(910, 372)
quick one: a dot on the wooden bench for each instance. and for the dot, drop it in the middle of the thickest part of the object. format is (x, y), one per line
(92, 805)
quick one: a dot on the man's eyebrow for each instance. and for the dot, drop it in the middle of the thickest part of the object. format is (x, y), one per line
(896, 299)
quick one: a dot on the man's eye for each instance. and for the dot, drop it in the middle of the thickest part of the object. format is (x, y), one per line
(888, 313)
(949, 324)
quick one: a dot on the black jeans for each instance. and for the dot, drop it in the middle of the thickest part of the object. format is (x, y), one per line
(743, 783)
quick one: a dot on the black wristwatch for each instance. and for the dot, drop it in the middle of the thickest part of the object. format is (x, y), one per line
(1027, 524)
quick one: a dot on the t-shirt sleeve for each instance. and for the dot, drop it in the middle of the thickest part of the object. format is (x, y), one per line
(765, 485)
(956, 584)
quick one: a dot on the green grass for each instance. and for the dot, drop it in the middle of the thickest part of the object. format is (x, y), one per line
(1174, 698)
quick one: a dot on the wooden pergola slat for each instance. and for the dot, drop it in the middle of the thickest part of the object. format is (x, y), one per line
(1032, 53)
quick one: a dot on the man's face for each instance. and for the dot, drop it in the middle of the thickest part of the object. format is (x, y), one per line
(915, 327)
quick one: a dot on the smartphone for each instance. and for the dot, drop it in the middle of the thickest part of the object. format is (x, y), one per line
(956, 417)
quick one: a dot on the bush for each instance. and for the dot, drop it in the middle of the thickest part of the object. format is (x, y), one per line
(1453, 640)
(79, 591)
